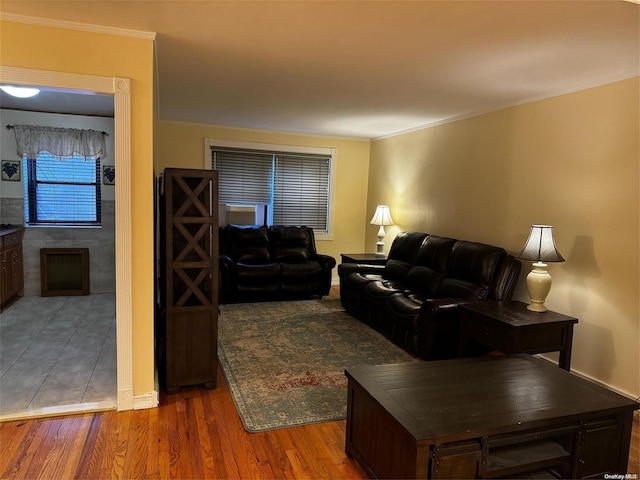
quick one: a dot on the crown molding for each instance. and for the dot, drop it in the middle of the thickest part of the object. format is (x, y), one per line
(83, 27)
(457, 118)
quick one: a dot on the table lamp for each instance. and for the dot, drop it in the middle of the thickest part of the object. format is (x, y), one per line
(540, 248)
(382, 217)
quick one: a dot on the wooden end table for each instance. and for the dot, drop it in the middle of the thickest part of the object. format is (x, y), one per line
(364, 258)
(510, 328)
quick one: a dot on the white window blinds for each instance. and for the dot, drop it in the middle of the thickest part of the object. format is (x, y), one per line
(244, 176)
(295, 186)
(301, 191)
(62, 192)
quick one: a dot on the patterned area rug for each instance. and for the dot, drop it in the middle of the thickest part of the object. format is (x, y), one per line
(284, 361)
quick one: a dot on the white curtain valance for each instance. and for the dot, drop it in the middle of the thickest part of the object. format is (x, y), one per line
(61, 142)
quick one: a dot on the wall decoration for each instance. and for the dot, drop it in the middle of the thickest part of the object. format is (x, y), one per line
(11, 170)
(109, 175)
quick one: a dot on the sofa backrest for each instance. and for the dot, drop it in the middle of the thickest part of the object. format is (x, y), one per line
(435, 252)
(430, 264)
(245, 244)
(402, 254)
(505, 279)
(291, 244)
(471, 270)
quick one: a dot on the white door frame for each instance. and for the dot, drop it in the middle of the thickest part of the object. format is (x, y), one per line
(119, 88)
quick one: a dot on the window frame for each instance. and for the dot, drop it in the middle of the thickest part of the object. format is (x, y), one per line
(210, 144)
(31, 183)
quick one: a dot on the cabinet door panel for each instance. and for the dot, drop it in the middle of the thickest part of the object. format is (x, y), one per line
(459, 461)
(599, 448)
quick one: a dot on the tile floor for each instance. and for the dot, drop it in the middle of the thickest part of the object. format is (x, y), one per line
(57, 354)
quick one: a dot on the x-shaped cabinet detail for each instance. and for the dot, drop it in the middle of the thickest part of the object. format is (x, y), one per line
(187, 330)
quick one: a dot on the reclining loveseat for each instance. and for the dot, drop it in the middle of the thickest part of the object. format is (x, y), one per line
(259, 263)
(413, 299)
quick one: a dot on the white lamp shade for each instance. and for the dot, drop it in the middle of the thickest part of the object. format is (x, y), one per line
(382, 216)
(540, 246)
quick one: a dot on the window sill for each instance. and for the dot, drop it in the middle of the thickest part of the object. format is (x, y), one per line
(323, 237)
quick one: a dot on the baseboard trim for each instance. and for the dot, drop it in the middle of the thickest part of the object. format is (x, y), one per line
(146, 400)
(591, 379)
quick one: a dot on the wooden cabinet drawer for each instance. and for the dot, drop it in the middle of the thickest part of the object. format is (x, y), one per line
(11, 239)
(541, 338)
(487, 332)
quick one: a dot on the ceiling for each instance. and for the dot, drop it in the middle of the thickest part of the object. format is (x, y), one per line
(364, 69)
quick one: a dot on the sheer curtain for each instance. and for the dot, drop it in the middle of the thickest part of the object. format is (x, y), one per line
(64, 143)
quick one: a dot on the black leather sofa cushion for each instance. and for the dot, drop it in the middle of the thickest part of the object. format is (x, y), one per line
(300, 271)
(435, 252)
(248, 245)
(430, 265)
(474, 262)
(454, 288)
(424, 280)
(301, 277)
(406, 245)
(290, 244)
(257, 274)
(397, 269)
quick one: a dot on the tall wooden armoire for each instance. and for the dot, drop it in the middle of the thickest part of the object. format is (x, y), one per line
(187, 330)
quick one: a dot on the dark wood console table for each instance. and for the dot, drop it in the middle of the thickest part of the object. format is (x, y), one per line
(484, 417)
(510, 328)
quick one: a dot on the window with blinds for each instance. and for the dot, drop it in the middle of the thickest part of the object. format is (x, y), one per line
(294, 186)
(62, 192)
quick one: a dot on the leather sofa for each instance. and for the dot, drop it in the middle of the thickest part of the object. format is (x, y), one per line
(259, 263)
(413, 299)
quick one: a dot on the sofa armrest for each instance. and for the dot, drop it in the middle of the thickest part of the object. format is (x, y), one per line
(440, 328)
(327, 262)
(441, 307)
(228, 276)
(226, 262)
(345, 269)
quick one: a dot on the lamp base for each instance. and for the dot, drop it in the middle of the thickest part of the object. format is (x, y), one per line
(537, 307)
(380, 242)
(539, 285)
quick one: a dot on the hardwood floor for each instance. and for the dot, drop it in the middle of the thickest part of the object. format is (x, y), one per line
(634, 452)
(195, 433)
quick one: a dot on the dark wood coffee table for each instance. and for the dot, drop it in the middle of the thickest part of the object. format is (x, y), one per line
(484, 418)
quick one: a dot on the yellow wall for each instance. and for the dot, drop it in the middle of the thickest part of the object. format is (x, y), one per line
(182, 145)
(571, 161)
(71, 51)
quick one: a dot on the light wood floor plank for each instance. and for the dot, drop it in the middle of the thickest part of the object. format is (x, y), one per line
(195, 433)
(16, 438)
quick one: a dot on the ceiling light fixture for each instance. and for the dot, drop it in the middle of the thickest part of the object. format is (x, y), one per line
(20, 92)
